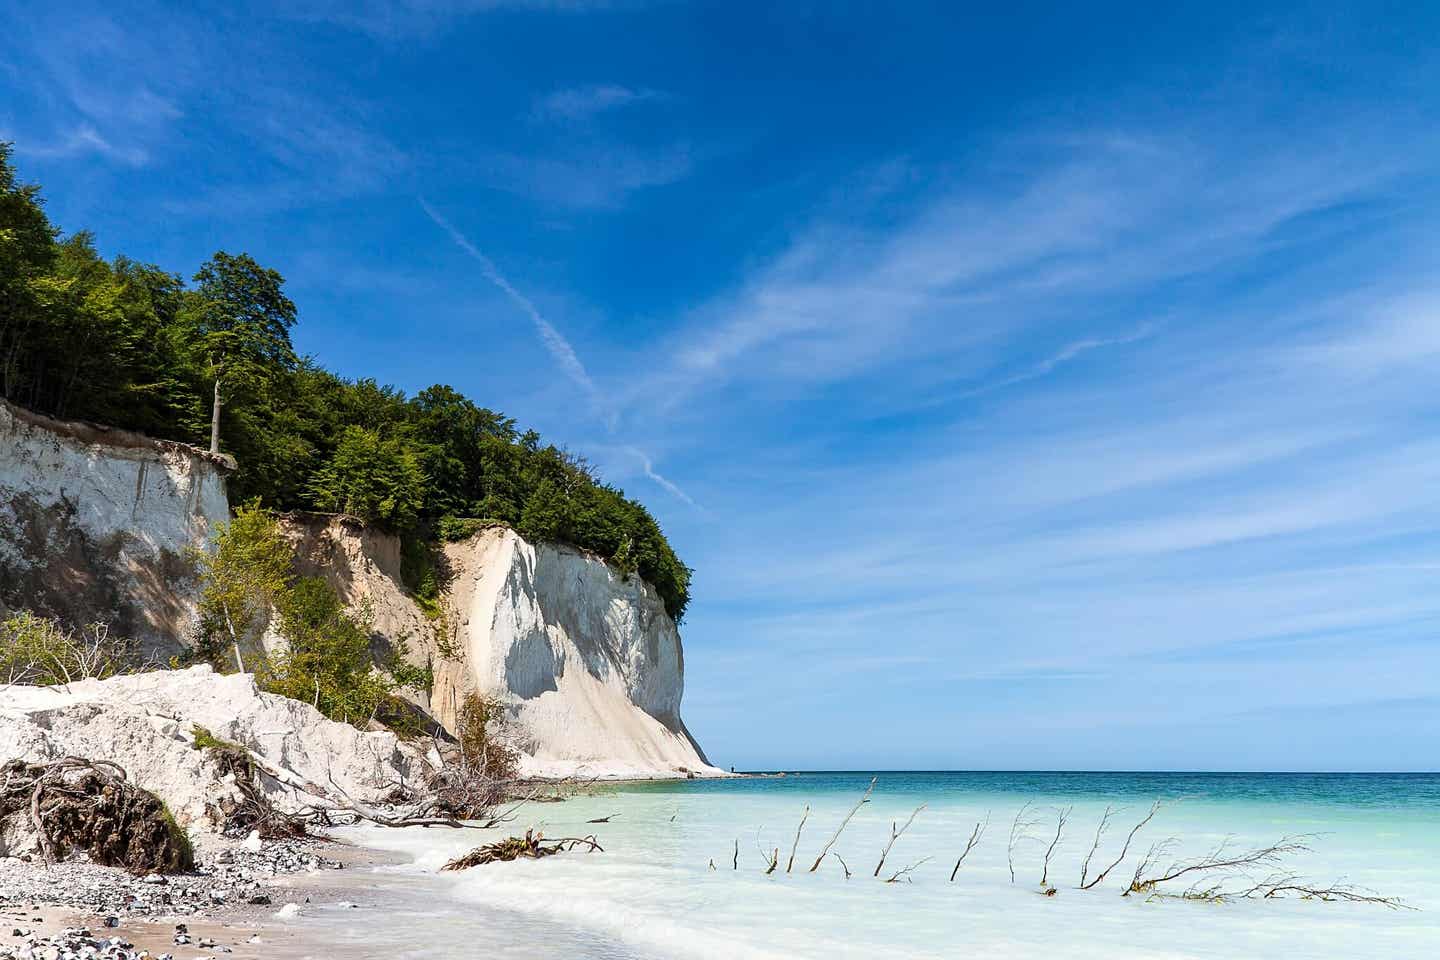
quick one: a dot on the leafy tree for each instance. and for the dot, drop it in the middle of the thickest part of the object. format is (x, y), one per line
(241, 319)
(371, 478)
(327, 659)
(249, 572)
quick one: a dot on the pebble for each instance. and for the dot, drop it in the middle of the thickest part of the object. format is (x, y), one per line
(237, 877)
(233, 875)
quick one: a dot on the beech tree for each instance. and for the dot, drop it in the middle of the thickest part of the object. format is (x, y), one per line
(242, 322)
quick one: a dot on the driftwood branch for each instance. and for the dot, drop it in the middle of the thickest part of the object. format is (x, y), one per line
(1223, 857)
(532, 846)
(1062, 816)
(1020, 829)
(896, 835)
(975, 836)
(904, 872)
(794, 846)
(1095, 844)
(1100, 877)
(843, 823)
(1291, 885)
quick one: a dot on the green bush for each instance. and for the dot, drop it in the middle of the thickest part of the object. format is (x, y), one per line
(373, 478)
(327, 660)
(41, 651)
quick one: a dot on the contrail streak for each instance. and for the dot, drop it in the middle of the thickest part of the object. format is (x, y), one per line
(555, 342)
(649, 470)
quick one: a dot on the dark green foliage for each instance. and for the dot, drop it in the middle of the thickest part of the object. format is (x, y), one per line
(371, 478)
(130, 345)
(329, 658)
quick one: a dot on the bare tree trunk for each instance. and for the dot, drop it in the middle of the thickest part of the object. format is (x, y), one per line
(215, 420)
(239, 664)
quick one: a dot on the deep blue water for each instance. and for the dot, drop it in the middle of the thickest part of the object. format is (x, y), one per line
(1412, 791)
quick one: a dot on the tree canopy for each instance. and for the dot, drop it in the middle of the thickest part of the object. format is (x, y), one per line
(133, 345)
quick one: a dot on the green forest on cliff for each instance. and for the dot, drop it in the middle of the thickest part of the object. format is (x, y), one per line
(132, 345)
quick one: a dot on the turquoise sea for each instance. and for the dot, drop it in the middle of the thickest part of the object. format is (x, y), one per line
(683, 873)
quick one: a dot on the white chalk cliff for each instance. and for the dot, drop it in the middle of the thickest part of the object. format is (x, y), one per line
(95, 524)
(587, 662)
(146, 723)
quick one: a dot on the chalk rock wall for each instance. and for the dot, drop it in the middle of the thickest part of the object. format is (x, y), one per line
(587, 662)
(95, 524)
(363, 565)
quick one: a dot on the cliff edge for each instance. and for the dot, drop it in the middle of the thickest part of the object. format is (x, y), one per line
(587, 663)
(95, 525)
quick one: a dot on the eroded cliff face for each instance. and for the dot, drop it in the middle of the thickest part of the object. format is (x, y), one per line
(95, 525)
(587, 662)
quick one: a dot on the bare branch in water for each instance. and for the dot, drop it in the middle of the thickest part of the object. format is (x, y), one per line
(843, 823)
(896, 835)
(1290, 885)
(1100, 877)
(975, 836)
(904, 873)
(1062, 816)
(1095, 845)
(1223, 857)
(1020, 829)
(794, 846)
(843, 865)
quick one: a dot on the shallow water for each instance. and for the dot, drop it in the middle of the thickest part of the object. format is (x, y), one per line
(652, 893)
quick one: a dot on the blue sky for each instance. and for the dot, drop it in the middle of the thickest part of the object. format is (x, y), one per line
(1040, 386)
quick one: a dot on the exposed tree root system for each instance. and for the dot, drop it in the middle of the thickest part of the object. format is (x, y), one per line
(91, 805)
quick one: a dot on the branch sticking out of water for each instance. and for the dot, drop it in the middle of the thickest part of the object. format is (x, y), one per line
(975, 836)
(841, 829)
(1100, 877)
(803, 817)
(896, 835)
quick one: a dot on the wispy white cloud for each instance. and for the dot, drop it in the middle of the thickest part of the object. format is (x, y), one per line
(1062, 356)
(1106, 217)
(592, 177)
(582, 103)
(84, 140)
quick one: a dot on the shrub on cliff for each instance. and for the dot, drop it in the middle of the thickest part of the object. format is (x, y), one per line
(326, 658)
(44, 652)
(373, 478)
